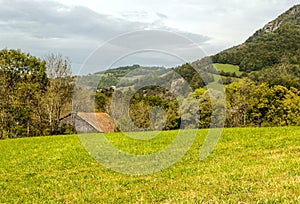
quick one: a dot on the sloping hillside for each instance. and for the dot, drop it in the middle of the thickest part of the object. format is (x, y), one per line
(278, 42)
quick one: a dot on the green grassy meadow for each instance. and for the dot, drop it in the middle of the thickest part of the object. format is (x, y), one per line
(228, 68)
(248, 165)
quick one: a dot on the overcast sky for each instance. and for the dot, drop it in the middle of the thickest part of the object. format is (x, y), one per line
(75, 28)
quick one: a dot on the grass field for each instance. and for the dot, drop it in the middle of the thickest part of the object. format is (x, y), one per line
(228, 68)
(248, 165)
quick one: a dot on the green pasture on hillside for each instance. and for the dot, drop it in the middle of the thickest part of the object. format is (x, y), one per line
(248, 165)
(228, 68)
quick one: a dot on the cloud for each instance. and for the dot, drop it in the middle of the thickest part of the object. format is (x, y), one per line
(45, 26)
(160, 15)
(151, 48)
(227, 22)
(41, 27)
(49, 20)
(135, 14)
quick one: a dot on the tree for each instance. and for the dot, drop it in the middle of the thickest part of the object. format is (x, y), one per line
(284, 108)
(240, 101)
(22, 80)
(58, 98)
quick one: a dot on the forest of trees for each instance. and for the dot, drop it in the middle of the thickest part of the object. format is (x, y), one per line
(35, 93)
(248, 103)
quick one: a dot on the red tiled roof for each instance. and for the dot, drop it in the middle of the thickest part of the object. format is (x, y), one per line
(102, 122)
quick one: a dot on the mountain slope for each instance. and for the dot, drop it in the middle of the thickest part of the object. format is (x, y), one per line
(278, 42)
(292, 16)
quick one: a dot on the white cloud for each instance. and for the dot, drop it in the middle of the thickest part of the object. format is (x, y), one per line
(41, 27)
(76, 27)
(227, 22)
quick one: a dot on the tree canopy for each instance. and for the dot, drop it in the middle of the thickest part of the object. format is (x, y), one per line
(25, 94)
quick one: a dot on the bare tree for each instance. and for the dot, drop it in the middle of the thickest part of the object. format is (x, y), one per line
(58, 98)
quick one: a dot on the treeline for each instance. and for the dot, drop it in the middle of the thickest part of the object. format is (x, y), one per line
(35, 93)
(255, 104)
(251, 103)
(248, 103)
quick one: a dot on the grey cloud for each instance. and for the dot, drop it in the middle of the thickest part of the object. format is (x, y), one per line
(41, 27)
(163, 16)
(197, 39)
(50, 19)
(134, 14)
(155, 48)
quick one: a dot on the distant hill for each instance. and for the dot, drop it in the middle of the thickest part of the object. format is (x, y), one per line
(126, 76)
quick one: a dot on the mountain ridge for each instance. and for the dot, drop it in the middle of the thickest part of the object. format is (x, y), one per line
(278, 42)
(291, 16)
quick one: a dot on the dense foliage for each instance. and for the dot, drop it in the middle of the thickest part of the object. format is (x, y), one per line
(31, 101)
(249, 103)
(149, 99)
(194, 76)
(258, 104)
(287, 75)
